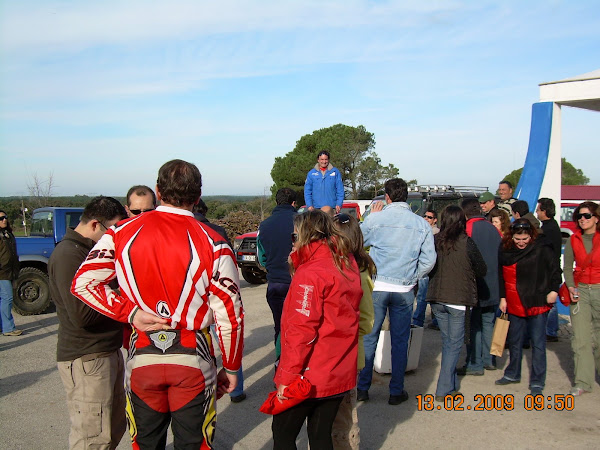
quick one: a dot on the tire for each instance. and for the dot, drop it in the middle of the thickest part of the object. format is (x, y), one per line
(32, 295)
(254, 276)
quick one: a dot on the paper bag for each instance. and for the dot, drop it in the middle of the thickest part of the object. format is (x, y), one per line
(499, 335)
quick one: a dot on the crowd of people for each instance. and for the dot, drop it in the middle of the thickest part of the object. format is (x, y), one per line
(155, 276)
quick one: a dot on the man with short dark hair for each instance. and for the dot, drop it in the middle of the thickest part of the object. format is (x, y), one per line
(419, 314)
(274, 242)
(488, 240)
(88, 351)
(324, 186)
(520, 210)
(403, 251)
(176, 277)
(545, 211)
(140, 199)
(505, 191)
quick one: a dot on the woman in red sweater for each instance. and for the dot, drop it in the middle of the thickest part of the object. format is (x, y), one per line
(319, 330)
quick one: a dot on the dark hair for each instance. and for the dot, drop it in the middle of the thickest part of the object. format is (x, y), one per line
(179, 183)
(285, 196)
(593, 207)
(396, 189)
(452, 226)
(140, 190)
(471, 207)
(433, 212)
(547, 205)
(504, 219)
(508, 183)
(520, 207)
(519, 226)
(103, 209)
(324, 152)
(8, 227)
(200, 207)
(349, 227)
(316, 225)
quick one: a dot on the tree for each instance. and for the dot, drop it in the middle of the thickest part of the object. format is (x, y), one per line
(40, 190)
(569, 175)
(351, 150)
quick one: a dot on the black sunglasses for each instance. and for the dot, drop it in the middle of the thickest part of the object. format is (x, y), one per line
(521, 226)
(342, 218)
(294, 237)
(136, 212)
(3, 218)
(583, 216)
(429, 217)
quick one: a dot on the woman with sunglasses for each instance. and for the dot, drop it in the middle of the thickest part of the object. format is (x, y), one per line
(9, 270)
(345, 427)
(452, 289)
(319, 330)
(529, 280)
(583, 281)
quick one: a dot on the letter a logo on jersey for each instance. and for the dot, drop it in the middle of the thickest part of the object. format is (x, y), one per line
(162, 309)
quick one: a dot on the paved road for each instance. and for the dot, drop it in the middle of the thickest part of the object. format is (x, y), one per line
(33, 414)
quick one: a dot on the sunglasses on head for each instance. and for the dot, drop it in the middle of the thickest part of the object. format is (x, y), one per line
(583, 216)
(521, 226)
(3, 218)
(342, 218)
(136, 212)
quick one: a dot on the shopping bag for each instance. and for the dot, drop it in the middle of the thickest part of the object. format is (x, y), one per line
(564, 295)
(499, 335)
(296, 392)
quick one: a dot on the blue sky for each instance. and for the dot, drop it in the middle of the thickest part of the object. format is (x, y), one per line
(101, 94)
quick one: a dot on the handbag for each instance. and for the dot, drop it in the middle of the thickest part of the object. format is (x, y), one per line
(564, 295)
(499, 335)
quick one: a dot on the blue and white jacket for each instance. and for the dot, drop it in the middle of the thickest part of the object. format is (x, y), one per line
(324, 189)
(401, 244)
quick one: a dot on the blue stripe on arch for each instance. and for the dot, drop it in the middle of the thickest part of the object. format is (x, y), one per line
(534, 169)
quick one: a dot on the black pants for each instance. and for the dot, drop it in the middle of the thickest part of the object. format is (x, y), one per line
(320, 414)
(276, 293)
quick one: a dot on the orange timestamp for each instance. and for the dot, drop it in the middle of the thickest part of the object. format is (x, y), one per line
(498, 402)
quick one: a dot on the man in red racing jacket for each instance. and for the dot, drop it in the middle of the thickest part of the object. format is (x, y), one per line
(176, 277)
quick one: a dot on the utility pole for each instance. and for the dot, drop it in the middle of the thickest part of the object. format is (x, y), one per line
(24, 210)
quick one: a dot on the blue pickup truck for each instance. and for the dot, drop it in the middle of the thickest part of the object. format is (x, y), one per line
(48, 227)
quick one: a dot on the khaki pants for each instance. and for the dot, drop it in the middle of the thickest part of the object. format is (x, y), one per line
(585, 320)
(96, 400)
(345, 432)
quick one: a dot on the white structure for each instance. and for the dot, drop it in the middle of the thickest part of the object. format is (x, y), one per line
(579, 92)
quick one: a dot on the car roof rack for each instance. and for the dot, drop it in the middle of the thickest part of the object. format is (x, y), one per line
(447, 188)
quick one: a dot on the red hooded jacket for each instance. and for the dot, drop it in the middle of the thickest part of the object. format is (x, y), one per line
(319, 325)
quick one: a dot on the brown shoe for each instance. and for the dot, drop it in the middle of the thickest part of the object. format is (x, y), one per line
(14, 332)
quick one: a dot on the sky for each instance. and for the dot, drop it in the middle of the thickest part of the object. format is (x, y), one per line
(98, 95)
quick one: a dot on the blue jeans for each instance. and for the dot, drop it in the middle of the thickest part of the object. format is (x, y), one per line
(552, 324)
(536, 326)
(452, 327)
(399, 305)
(419, 314)
(482, 327)
(6, 301)
(239, 389)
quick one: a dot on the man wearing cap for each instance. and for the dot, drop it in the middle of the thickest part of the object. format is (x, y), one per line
(487, 201)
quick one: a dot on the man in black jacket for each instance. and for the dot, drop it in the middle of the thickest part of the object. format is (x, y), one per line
(488, 241)
(88, 352)
(545, 211)
(274, 246)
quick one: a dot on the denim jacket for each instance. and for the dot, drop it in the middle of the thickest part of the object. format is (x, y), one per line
(401, 244)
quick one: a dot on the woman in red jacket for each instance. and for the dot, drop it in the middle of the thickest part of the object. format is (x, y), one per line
(319, 330)
(583, 282)
(529, 280)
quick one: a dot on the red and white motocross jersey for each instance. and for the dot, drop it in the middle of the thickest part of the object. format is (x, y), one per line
(168, 264)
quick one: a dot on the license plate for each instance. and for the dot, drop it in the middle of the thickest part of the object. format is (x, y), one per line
(248, 258)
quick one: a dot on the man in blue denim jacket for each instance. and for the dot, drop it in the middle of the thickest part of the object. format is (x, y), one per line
(402, 247)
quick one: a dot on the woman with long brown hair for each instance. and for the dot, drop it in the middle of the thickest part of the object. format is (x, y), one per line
(319, 330)
(9, 270)
(529, 282)
(583, 281)
(500, 220)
